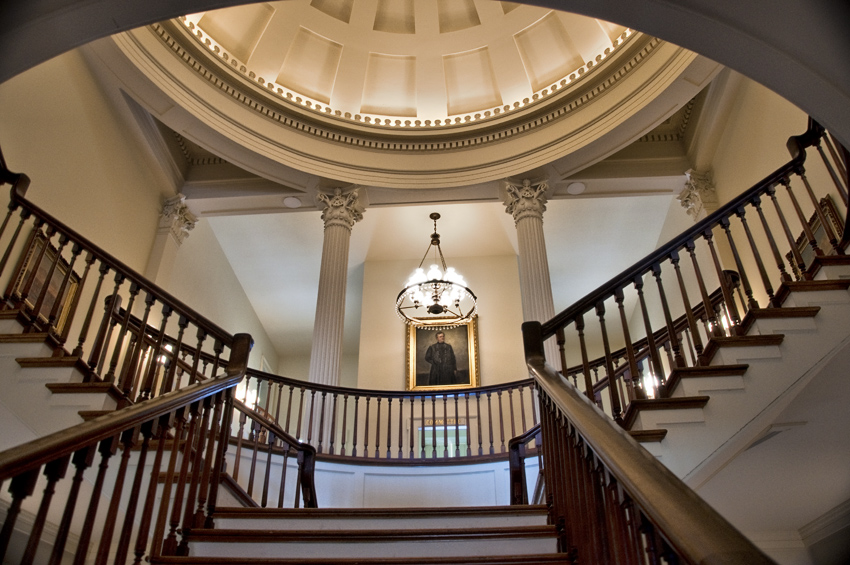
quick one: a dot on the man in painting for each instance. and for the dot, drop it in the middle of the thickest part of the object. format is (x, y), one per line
(441, 356)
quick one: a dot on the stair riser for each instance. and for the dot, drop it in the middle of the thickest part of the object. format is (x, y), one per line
(354, 523)
(404, 549)
(768, 326)
(653, 419)
(697, 386)
(747, 354)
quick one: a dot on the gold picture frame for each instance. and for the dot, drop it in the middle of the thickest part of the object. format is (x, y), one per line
(463, 342)
(24, 271)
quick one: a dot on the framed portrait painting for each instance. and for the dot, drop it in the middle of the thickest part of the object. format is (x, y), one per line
(439, 359)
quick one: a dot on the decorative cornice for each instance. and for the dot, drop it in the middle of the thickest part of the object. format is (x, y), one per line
(341, 209)
(177, 219)
(292, 112)
(699, 194)
(526, 201)
(191, 159)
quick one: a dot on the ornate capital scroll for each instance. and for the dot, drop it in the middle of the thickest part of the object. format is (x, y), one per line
(176, 218)
(699, 193)
(341, 209)
(527, 200)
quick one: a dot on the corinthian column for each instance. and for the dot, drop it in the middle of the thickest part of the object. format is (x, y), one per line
(526, 204)
(341, 212)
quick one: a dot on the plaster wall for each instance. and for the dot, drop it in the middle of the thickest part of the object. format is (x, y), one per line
(495, 281)
(203, 278)
(58, 127)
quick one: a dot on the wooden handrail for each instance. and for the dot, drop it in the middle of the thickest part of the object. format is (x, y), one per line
(306, 453)
(32, 455)
(695, 530)
(517, 451)
(17, 195)
(796, 145)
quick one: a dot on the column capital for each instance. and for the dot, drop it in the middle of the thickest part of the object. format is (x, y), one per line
(176, 218)
(699, 194)
(341, 209)
(527, 200)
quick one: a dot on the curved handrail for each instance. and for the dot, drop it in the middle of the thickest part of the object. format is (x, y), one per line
(517, 450)
(18, 199)
(796, 146)
(692, 527)
(32, 455)
(306, 453)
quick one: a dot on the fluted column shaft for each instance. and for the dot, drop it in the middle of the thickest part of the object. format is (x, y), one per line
(526, 204)
(340, 214)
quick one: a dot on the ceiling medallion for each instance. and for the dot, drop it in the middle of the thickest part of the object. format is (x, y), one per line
(438, 299)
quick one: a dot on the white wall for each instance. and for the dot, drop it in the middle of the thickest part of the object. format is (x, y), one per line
(494, 280)
(205, 281)
(57, 126)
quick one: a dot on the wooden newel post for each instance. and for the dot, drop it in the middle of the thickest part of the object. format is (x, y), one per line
(532, 340)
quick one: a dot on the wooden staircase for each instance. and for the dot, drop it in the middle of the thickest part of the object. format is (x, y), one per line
(463, 536)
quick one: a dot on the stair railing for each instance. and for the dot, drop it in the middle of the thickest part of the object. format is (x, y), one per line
(611, 501)
(347, 424)
(187, 431)
(258, 432)
(90, 305)
(519, 448)
(740, 249)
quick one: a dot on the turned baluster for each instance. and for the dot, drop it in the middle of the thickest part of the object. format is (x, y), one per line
(390, 426)
(25, 215)
(445, 426)
(366, 429)
(53, 472)
(588, 383)
(270, 439)
(413, 424)
(457, 428)
(836, 176)
(401, 426)
(197, 455)
(39, 303)
(126, 533)
(180, 419)
(668, 318)
(768, 287)
(825, 223)
(378, 430)
(356, 421)
(173, 362)
(322, 421)
(126, 383)
(433, 426)
(334, 399)
(240, 434)
(654, 359)
(616, 406)
(807, 229)
(728, 299)
(344, 434)
(490, 420)
(310, 420)
(478, 412)
(122, 333)
(82, 460)
(22, 487)
(107, 449)
(169, 545)
(798, 264)
(422, 434)
(561, 339)
(501, 421)
(208, 462)
(84, 331)
(619, 298)
(715, 326)
(468, 428)
(774, 249)
(193, 375)
(300, 415)
(128, 441)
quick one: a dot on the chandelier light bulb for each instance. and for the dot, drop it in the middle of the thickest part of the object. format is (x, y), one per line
(442, 292)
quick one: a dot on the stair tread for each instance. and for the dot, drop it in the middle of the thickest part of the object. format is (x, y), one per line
(648, 436)
(377, 512)
(371, 535)
(703, 371)
(681, 402)
(530, 559)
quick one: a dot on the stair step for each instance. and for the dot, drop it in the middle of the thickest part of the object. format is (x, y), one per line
(86, 388)
(648, 436)
(716, 343)
(539, 559)
(718, 372)
(786, 288)
(776, 313)
(443, 542)
(679, 403)
(379, 518)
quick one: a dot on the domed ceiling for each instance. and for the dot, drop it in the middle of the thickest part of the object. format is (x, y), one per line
(401, 63)
(406, 94)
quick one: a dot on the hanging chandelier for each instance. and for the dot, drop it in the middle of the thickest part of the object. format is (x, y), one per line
(436, 298)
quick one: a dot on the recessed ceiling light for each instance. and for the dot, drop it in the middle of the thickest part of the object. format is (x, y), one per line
(291, 202)
(576, 188)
